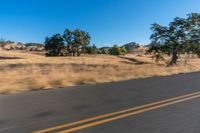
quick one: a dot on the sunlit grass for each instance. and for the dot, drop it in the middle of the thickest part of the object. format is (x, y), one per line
(33, 72)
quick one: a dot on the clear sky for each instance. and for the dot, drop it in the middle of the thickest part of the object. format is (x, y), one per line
(107, 21)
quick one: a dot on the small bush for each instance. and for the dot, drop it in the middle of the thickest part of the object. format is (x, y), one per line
(116, 50)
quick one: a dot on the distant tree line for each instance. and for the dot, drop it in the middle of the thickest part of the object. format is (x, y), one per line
(119, 50)
(4, 42)
(34, 44)
(115, 50)
(77, 42)
(181, 36)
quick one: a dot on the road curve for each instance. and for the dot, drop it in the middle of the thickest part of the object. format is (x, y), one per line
(156, 105)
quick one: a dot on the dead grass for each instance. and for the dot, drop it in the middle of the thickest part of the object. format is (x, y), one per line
(24, 71)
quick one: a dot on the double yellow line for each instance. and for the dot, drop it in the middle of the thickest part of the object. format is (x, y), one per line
(90, 122)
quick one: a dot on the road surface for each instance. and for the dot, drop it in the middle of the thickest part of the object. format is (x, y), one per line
(168, 104)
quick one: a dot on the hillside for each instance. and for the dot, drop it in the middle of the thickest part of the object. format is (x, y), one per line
(13, 46)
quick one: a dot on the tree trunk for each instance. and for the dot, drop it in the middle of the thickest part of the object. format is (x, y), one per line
(74, 53)
(174, 57)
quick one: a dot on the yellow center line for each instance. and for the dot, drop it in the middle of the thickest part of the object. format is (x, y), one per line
(126, 115)
(114, 113)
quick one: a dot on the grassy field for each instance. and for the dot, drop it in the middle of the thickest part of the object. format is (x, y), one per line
(24, 71)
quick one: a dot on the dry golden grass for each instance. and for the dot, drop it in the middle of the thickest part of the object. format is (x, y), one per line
(25, 71)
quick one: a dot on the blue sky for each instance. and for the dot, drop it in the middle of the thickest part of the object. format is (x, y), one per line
(107, 21)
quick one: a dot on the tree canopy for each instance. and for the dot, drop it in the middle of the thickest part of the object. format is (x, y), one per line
(77, 41)
(116, 50)
(182, 35)
(54, 45)
(71, 43)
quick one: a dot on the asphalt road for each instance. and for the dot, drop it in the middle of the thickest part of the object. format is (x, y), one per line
(39, 110)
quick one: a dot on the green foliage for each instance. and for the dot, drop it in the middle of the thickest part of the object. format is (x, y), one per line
(116, 50)
(122, 50)
(92, 49)
(180, 36)
(77, 41)
(54, 45)
(72, 43)
(158, 57)
(33, 44)
(131, 46)
(104, 50)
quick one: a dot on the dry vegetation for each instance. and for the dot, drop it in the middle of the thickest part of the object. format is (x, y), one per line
(25, 71)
